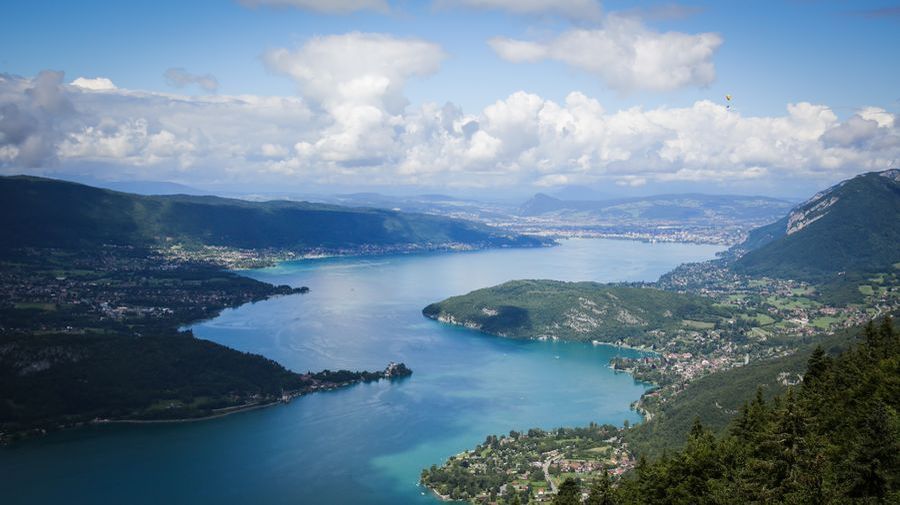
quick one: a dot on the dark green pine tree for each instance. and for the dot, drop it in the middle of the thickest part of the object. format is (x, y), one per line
(740, 426)
(698, 463)
(758, 417)
(875, 458)
(811, 477)
(651, 483)
(601, 492)
(889, 338)
(569, 493)
(787, 440)
(816, 367)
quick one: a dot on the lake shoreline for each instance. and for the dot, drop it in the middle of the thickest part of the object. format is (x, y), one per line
(7, 440)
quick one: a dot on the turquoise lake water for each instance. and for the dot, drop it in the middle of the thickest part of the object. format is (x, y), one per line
(366, 443)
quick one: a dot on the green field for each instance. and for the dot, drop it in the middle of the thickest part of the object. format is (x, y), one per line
(791, 303)
(759, 333)
(759, 319)
(824, 322)
(698, 325)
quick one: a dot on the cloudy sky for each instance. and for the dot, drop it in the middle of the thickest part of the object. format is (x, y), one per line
(482, 97)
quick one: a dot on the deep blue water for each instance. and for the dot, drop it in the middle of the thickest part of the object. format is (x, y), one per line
(367, 443)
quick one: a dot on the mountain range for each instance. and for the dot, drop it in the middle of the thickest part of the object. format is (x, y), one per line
(38, 212)
(683, 208)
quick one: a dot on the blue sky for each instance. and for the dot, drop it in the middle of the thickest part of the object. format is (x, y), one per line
(834, 54)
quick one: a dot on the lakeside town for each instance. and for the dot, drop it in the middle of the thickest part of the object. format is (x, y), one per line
(234, 258)
(528, 467)
(652, 233)
(117, 290)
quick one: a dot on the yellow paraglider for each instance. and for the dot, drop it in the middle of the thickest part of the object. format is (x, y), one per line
(727, 101)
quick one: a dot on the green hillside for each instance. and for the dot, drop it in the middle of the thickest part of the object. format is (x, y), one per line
(578, 311)
(834, 438)
(716, 398)
(851, 227)
(36, 212)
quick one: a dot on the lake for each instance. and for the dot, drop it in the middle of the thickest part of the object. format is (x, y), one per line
(366, 443)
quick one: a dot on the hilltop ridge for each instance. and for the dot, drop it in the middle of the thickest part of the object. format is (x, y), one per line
(38, 212)
(851, 226)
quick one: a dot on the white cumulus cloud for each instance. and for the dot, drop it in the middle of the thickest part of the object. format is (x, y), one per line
(625, 54)
(357, 79)
(522, 140)
(95, 84)
(357, 68)
(33, 114)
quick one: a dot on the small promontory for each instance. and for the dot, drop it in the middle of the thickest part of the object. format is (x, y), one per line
(577, 311)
